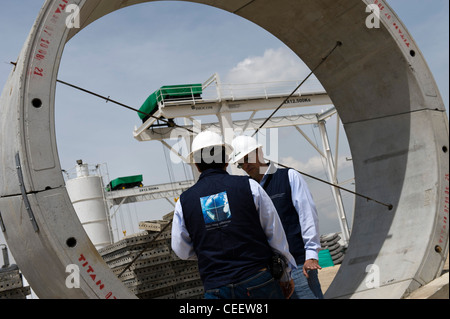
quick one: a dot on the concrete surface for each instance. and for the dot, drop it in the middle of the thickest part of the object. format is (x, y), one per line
(437, 289)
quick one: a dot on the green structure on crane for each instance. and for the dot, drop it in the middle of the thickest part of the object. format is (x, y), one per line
(169, 93)
(125, 182)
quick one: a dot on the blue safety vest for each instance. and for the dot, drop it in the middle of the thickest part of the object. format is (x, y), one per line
(224, 225)
(278, 188)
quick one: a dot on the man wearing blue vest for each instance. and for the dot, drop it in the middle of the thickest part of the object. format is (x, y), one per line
(229, 224)
(296, 208)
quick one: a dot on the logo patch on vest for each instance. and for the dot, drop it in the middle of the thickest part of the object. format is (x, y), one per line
(216, 210)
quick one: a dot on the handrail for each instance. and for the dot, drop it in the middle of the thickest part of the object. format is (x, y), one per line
(233, 91)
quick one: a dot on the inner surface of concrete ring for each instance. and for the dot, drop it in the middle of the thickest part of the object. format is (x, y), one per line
(378, 80)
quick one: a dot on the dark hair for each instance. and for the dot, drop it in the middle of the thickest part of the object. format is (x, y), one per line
(213, 157)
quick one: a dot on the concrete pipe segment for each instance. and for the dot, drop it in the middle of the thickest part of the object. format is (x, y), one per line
(378, 80)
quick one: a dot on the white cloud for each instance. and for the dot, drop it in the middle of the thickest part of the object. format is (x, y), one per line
(275, 65)
(314, 164)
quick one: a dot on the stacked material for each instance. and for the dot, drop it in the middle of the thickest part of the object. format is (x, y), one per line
(11, 284)
(158, 273)
(331, 243)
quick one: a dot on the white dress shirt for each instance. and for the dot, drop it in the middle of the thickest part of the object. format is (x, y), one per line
(306, 209)
(270, 221)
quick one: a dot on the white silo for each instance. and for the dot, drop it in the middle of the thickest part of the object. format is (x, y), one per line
(86, 193)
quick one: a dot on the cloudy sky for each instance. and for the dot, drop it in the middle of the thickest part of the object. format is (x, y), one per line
(131, 53)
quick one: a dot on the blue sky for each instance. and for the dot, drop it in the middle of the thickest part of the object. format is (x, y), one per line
(129, 54)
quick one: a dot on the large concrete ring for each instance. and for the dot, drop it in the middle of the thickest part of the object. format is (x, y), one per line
(380, 84)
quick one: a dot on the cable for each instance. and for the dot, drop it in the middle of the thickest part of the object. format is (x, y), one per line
(107, 99)
(389, 206)
(338, 44)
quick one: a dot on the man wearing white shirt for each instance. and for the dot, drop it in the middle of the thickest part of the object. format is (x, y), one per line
(230, 225)
(294, 203)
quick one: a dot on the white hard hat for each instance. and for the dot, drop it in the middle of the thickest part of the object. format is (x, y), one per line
(208, 139)
(242, 146)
